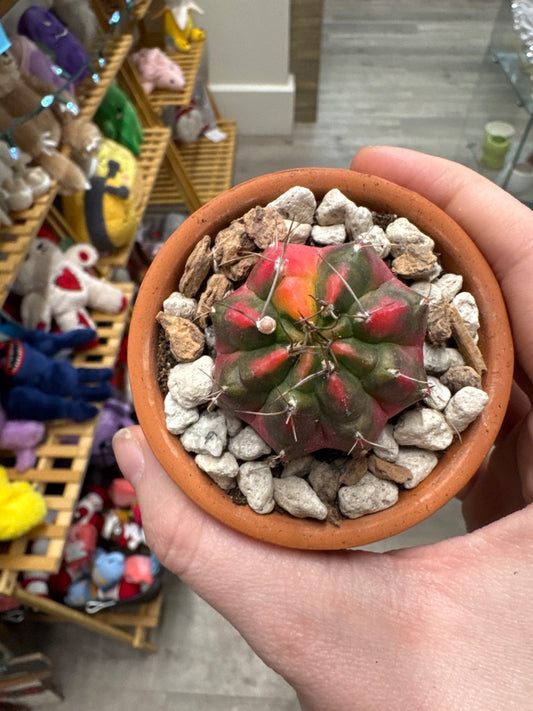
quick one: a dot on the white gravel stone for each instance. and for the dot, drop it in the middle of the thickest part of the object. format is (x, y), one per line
(375, 237)
(296, 204)
(177, 417)
(299, 232)
(233, 423)
(439, 395)
(248, 445)
(424, 428)
(298, 467)
(297, 497)
(465, 406)
(336, 208)
(206, 436)
(437, 359)
(256, 482)
(428, 289)
(403, 234)
(223, 470)
(369, 495)
(386, 446)
(420, 463)
(466, 305)
(328, 234)
(191, 384)
(177, 304)
(450, 285)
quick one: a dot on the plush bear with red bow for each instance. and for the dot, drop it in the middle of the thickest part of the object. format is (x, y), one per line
(57, 288)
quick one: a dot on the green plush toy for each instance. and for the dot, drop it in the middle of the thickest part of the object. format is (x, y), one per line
(117, 119)
(21, 507)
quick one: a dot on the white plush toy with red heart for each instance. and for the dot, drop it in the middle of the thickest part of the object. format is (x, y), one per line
(58, 290)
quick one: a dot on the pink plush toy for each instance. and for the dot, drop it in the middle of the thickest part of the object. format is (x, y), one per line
(157, 71)
(21, 437)
(57, 288)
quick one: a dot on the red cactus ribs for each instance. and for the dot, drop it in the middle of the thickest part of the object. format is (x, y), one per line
(319, 348)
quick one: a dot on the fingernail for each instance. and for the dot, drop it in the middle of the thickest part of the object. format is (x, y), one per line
(129, 455)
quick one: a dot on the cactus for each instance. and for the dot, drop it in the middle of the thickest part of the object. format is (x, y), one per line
(319, 348)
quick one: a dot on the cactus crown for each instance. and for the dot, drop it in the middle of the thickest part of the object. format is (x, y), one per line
(319, 347)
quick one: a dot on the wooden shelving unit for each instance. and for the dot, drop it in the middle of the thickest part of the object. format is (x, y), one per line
(191, 175)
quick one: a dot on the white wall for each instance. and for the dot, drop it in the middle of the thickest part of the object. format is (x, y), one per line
(248, 45)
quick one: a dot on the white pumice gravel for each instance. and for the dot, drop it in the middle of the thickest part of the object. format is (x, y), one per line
(223, 470)
(369, 495)
(235, 457)
(256, 482)
(298, 498)
(191, 384)
(248, 445)
(177, 417)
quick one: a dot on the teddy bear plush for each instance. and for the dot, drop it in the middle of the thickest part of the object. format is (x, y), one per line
(44, 129)
(20, 184)
(57, 288)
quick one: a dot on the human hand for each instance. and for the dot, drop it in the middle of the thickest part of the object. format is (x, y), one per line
(438, 627)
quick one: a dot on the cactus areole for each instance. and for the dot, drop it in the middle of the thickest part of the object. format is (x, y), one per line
(319, 348)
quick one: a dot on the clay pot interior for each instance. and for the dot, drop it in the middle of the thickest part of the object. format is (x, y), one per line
(458, 254)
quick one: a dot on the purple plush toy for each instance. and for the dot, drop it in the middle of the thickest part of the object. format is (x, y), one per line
(56, 40)
(21, 437)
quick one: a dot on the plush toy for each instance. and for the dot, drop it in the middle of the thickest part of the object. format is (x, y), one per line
(20, 184)
(80, 19)
(178, 25)
(21, 507)
(157, 71)
(21, 437)
(117, 119)
(40, 131)
(114, 415)
(33, 62)
(57, 288)
(49, 33)
(33, 385)
(107, 215)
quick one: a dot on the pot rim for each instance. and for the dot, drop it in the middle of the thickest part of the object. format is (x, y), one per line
(460, 461)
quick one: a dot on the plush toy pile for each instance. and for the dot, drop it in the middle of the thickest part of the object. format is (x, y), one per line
(106, 561)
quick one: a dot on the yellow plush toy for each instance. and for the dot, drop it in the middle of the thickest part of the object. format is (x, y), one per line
(21, 507)
(178, 25)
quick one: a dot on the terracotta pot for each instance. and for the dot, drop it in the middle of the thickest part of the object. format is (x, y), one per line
(458, 254)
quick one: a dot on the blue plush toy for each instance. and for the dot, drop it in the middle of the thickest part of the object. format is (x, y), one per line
(34, 385)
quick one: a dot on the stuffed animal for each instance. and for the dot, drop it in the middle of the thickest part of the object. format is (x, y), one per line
(157, 71)
(57, 288)
(178, 25)
(21, 507)
(107, 215)
(34, 385)
(20, 184)
(114, 415)
(117, 118)
(21, 437)
(49, 33)
(80, 19)
(40, 131)
(32, 61)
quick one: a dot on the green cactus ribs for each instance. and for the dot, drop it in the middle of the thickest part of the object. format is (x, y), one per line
(319, 348)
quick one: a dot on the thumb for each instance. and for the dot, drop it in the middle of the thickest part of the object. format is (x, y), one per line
(218, 562)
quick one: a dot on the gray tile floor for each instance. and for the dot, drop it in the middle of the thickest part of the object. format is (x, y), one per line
(400, 73)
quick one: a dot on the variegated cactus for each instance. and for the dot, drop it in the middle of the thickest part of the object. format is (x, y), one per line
(319, 348)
